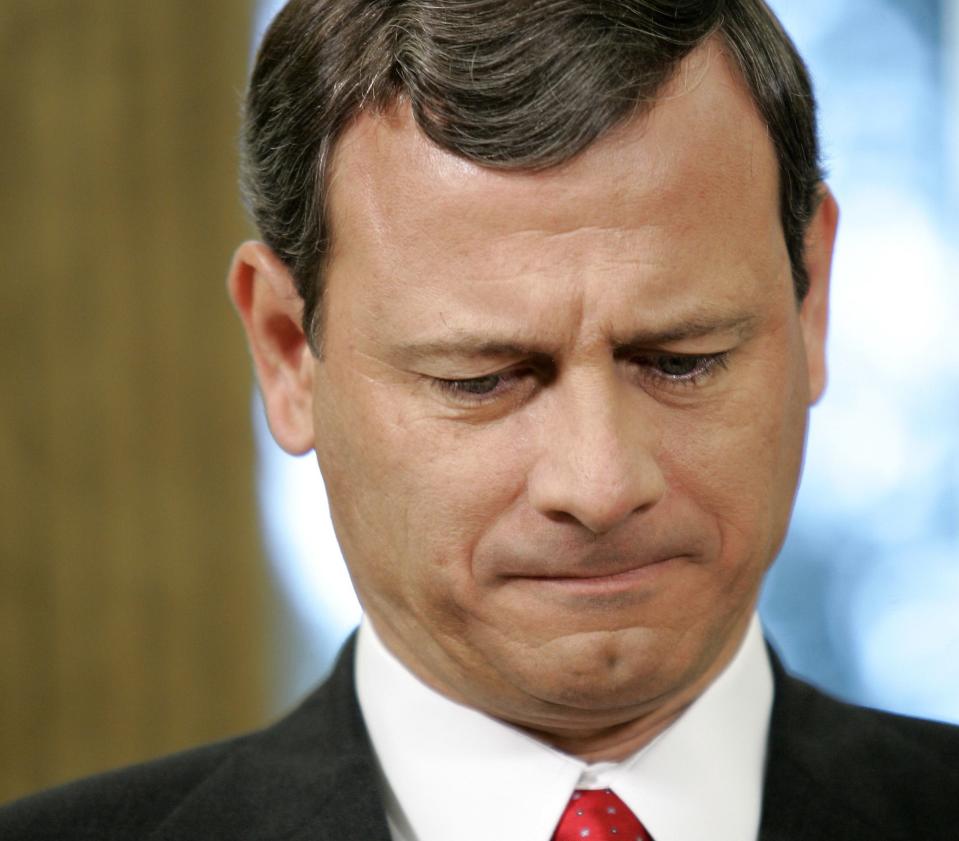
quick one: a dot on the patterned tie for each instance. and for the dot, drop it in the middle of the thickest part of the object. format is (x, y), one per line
(599, 816)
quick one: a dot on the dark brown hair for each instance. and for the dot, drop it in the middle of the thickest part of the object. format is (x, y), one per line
(510, 84)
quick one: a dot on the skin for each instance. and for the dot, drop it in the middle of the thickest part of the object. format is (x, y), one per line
(560, 416)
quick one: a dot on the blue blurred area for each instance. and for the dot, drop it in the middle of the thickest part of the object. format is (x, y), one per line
(864, 599)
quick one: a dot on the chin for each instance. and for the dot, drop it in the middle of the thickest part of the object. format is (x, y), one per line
(602, 672)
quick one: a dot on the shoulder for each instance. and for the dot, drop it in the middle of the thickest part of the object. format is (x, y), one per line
(824, 734)
(123, 804)
(857, 767)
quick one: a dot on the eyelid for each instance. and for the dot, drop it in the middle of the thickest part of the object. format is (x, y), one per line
(708, 364)
(460, 386)
(454, 387)
(519, 379)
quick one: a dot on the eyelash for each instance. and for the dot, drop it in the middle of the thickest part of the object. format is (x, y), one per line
(460, 389)
(705, 366)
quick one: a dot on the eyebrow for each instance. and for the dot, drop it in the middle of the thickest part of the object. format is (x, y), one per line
(469, 346)
(692, 328)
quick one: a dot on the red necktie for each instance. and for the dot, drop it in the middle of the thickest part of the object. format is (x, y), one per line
(599, 816)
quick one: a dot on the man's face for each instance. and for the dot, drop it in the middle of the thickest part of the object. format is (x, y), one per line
(561, 415)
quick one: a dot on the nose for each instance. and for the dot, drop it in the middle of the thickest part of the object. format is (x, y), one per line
(597, 462)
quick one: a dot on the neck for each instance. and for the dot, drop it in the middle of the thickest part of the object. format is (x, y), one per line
(611, 744)
(593, 738)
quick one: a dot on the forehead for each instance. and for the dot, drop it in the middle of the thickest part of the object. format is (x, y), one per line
(688, 186)
(702, 139)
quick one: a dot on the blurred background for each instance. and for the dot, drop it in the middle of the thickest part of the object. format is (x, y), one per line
(135, 605)
(167, 576)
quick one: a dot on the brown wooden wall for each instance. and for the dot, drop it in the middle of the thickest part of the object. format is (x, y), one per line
(133, 596)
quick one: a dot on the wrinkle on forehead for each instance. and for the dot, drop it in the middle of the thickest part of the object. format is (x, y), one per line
(651, 201)
(387, 149)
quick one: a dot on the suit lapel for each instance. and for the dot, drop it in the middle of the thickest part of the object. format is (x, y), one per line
(311, 776)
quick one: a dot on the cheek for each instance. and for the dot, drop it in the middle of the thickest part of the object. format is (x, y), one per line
(412, 495)
(739, 465)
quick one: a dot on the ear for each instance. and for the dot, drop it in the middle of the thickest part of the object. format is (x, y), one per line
(814, 313)
(271, 309)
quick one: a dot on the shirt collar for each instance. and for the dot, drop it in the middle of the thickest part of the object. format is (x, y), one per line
(493, 779)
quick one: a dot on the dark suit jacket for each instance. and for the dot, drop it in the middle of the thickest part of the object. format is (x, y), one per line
(834, 773)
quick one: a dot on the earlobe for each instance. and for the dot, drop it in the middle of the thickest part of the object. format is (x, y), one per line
(265, 297)
(814, 313)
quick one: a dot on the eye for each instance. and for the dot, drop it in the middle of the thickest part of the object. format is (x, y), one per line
(479, 386)
(478, 390)
(678, 366)
(681, 368)
(505, 388)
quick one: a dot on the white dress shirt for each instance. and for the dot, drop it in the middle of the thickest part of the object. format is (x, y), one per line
(701, 779)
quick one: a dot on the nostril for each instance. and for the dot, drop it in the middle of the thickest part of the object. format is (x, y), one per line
(561, 517)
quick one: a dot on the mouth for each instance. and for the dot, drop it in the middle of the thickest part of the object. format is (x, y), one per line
(587, 580)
